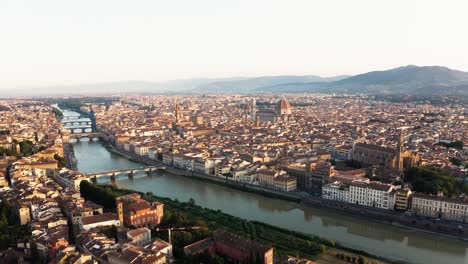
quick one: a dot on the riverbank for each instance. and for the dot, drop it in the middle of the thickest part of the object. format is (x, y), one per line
(113, 150)
(353, 232)
(285, 241)
(242, 187)
(69, 154)
(387, 217)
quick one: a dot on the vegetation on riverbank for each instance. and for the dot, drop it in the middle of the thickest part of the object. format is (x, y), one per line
(57, 112)
(176, 213)
(76, 103)
(433, 180)
(62, 162)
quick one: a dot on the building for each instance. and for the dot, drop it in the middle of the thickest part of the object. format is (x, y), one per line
(76, 208)
(281, 112)
(439, 206)
(402, 199)
(93, 221)
(23, 213)
(139, 236)
(369, 154)
(131, 254)
(285, 183)
(372, 194)
(317, 174)
(134, 211)
(232, 246)
(70, 179)
(389, 158)
(283, 109)
(336, 191)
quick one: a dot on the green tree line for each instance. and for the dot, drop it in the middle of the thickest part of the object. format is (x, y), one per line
(433, 180)
(286, 242)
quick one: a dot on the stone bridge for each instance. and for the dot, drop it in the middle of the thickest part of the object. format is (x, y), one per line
(76, 121)
(130, 172)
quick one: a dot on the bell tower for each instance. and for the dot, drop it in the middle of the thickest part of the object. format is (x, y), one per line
(178, 113)
(400, 150)
(120, 210)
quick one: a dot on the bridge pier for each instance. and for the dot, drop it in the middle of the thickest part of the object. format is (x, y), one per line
(113, 177)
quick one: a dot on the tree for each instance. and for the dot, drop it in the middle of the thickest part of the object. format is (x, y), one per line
(61, 161)
(191, 202)
(362, 260)
(110, 232)
(433, 180)
(36, 257)
(455, 161)
(26, 147)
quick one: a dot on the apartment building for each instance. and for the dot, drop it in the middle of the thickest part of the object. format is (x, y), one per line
(402, 199)
(439, 206)
(70, 179)
(372, 194)
(336, 191)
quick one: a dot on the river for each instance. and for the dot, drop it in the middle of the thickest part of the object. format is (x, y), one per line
(379, 239)
(383, 240)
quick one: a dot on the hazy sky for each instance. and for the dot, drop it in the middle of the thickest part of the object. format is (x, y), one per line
(51, 42)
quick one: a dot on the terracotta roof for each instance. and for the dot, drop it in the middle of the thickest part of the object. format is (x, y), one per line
(375, 147)
(283, 104)
(86, 220)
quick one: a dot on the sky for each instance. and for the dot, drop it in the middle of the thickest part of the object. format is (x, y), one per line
(61, 42)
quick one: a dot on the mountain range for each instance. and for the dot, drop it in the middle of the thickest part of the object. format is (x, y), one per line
(411, 80)
(406, 80)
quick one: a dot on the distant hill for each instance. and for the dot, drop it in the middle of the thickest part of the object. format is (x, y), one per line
(407, 80)
(427, 80)
(107, 88)
(257, 83)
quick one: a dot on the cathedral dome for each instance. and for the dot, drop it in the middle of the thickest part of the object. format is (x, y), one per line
(283, 107)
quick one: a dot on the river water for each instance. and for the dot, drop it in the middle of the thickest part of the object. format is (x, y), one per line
(379, 239)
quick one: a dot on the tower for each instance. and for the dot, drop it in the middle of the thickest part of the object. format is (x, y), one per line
(178, 113)
(400, 150)
(254, 109)
(257, 121)
(120, 210)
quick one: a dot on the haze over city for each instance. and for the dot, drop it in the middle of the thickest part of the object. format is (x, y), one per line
(53, 43)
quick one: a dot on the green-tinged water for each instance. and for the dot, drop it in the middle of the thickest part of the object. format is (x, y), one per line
(378, 239)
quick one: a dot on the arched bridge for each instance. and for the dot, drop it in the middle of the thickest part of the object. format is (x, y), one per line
(88, 135)
(76, 121)
(130, 172)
